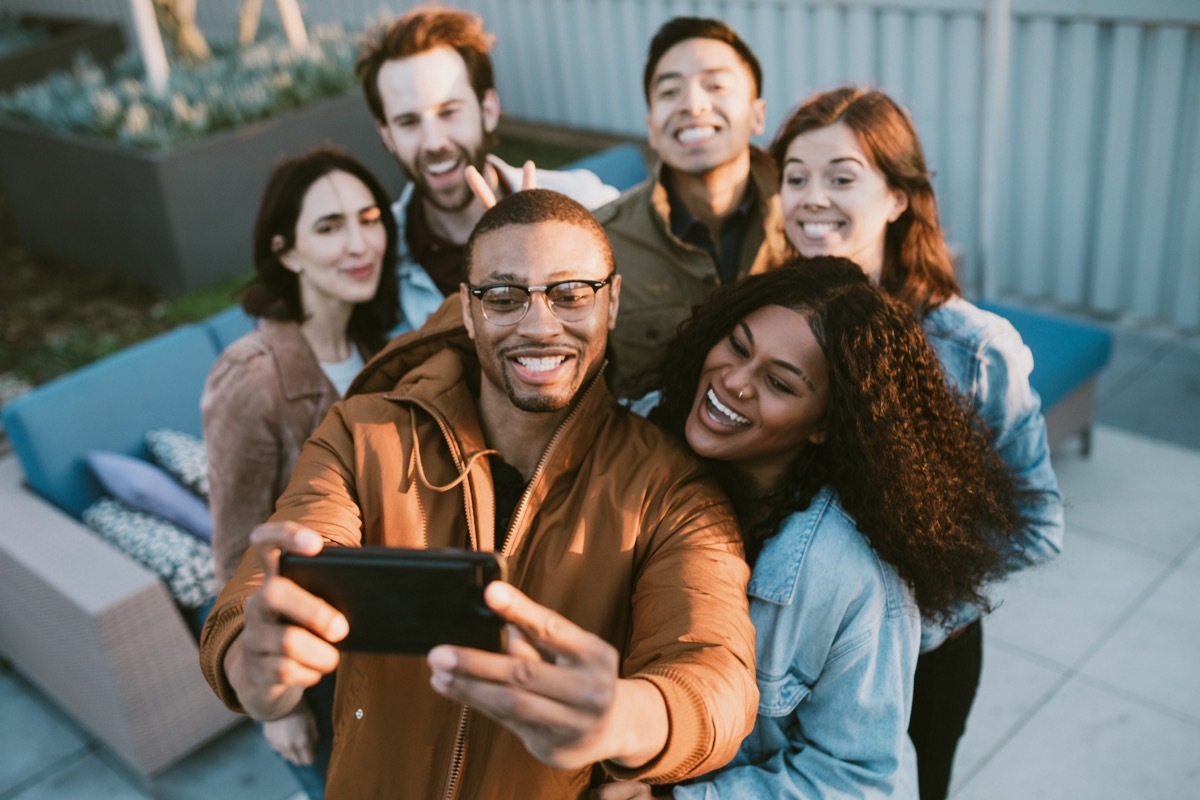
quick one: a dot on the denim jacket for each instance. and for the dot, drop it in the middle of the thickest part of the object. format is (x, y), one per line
(984, 358)
(838, 634)
(419, 295)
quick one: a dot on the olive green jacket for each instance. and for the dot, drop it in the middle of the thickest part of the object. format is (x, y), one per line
(665, 278)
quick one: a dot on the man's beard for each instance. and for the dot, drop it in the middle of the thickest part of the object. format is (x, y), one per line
(476, 158)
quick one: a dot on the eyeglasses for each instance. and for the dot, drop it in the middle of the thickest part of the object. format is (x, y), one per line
(508, 303)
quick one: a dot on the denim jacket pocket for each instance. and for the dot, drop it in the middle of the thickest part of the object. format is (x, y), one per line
(779, 696)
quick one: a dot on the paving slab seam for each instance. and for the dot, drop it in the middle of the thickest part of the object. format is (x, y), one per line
(1137, 699)
(1034, 708)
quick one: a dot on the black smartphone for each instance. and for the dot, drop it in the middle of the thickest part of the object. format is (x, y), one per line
(404, 601)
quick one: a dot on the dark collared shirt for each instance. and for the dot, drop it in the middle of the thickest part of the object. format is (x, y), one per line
(727, 250)
(444, 260)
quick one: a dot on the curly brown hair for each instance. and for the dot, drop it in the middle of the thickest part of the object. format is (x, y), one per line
(917, 267)
(910, 461)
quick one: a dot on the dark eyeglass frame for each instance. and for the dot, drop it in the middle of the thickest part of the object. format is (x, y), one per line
(479, 291)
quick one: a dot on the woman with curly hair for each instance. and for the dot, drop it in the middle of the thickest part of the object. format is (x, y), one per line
(324, 293)
(862, 483)
(855, 184)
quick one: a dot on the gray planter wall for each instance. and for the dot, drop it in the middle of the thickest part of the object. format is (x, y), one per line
(177, 220)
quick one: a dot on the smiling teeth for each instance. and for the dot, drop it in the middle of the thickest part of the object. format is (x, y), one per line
(695, 134)
(733, 416)
(442, 168)
(819, 228)
(540, 364)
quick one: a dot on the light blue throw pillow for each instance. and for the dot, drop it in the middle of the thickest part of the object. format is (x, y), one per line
(144, 487)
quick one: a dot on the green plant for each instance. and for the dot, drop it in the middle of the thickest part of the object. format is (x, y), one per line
(234, 87)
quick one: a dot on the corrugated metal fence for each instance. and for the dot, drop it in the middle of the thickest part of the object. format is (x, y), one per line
(1065, 134)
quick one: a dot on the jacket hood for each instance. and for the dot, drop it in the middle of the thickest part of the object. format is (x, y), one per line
(444, 330)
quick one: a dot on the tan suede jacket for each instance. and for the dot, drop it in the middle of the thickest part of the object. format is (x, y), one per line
(619, 530)
(263, 398)
(664, 278)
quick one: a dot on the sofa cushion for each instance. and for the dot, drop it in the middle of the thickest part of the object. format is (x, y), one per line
(183, 562)
(182, 456)
(227, 326)
(1066, 352)
(146, 488)
(621, 166)
(108, 405)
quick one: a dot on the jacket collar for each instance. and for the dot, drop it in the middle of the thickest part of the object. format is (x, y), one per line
(763, 175)
(773, 247)
(777, 569)
(300, 374)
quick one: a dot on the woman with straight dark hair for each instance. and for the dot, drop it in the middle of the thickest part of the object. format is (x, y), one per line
(324, 293)
(854, 183)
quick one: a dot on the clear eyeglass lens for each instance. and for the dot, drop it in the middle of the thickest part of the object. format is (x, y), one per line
(571, 301)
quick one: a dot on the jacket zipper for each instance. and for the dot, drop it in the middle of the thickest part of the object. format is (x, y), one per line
(510, 540)
(456, 755)
(460, 737)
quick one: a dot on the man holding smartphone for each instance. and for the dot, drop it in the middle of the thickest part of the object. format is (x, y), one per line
(630, 651)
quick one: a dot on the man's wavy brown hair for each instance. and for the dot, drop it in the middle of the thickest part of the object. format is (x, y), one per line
(911, 463)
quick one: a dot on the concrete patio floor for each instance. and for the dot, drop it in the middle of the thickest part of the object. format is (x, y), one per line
(1091, 684)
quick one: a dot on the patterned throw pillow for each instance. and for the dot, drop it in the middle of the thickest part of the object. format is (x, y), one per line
(182, 561)
(182, 456)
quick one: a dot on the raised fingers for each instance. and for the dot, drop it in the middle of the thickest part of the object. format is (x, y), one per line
(528, 176)
(479, 186)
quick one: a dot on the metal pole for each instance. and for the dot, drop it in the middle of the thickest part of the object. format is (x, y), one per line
(997, 34)
(150, 45)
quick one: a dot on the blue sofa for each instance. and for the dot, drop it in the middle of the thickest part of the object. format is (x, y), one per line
(1068, 355)
(93, 629)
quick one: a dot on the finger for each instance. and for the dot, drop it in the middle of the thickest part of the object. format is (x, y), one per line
(528, 176)
(546, 630)
(267, 635)
(282, 598)
(532, 716)
(268, 539)
(271, 672)
(479, 186)
(519, 647)
(473, 671)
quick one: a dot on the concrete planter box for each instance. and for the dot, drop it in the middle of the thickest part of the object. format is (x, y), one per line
(67, 37)
(177, 219)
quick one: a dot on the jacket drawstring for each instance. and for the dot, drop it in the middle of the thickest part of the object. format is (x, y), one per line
(414, 462)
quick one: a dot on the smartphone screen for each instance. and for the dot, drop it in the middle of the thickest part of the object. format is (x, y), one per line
(404, 601)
